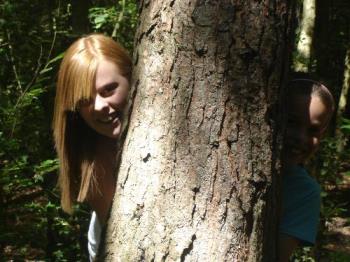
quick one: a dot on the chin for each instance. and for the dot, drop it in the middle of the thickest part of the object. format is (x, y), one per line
(114, 135)
(117, 132)
(111, 135)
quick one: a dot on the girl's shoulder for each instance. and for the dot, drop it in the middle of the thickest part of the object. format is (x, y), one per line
(299, 181)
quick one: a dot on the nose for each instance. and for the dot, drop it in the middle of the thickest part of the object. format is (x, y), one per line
(101, 104)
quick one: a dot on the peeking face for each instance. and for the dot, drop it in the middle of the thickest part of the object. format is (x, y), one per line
(105, 111)
(307, 120)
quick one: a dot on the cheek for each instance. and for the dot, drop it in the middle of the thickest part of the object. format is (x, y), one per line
(124, 95)
(126, 89)
(121, 96)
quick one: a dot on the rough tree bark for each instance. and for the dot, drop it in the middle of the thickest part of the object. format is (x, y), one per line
(197, 177)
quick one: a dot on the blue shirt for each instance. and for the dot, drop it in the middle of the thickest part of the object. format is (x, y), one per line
(301, 201)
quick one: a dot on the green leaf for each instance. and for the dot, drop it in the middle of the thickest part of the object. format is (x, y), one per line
(46, 69)
(47, 166)
(100, 19)
(57, 58)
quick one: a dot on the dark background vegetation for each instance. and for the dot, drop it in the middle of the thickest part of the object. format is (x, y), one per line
(33, 37)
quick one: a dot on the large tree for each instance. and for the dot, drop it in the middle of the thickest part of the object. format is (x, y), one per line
(197, 180)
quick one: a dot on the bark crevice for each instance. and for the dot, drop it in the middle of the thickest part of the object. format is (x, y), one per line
(188, 250)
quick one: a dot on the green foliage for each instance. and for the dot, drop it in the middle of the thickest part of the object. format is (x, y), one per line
(28, 168)
(303, 255)
(101, 16)
(118, 21)
(339, 257)
(345, 126)
(333, 165)
(46, 167)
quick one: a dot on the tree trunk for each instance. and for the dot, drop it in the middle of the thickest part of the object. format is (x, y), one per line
(197, 177)
(321, 37)
(80, 20)
(331, 44)
(304, 45)
(345, 105)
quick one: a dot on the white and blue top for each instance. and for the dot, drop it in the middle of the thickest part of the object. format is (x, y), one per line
(94, 236)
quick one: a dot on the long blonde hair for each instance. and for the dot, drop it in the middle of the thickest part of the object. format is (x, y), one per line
(75, 142)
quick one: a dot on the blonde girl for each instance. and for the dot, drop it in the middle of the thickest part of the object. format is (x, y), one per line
(91, 94)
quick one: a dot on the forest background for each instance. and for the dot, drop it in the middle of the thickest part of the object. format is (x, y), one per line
(33, 37)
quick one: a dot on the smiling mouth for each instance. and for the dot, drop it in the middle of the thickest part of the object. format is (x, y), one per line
(110, 119)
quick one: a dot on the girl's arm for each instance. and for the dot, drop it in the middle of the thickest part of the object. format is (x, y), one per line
(287, 245)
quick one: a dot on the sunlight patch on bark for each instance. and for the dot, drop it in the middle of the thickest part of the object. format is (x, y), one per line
(342, 139)
(346, 83)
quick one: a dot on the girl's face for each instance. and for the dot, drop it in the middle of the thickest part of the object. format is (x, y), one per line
(104, 113)
(307, 119)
